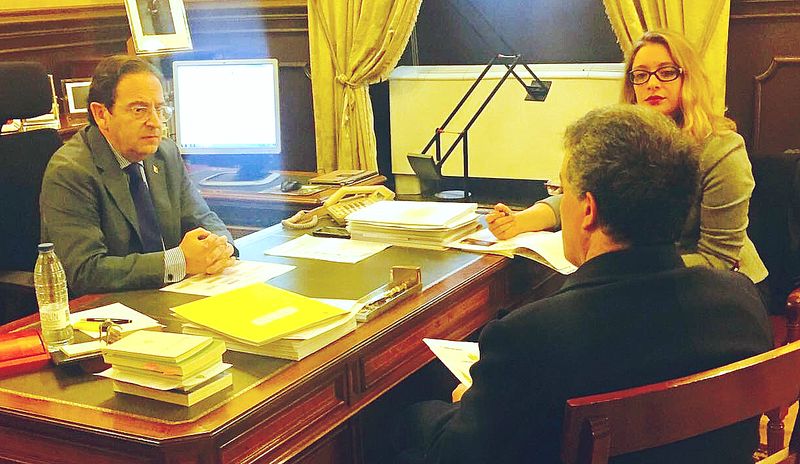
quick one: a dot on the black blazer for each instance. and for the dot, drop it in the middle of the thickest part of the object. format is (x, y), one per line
(623, 319)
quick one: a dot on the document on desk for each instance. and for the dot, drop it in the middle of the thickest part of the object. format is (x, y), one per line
(543, 246)
(241, 274)
(337, 250)
(458, 357)
(114, 311)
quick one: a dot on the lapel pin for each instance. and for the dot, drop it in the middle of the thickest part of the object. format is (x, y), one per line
(155, 169)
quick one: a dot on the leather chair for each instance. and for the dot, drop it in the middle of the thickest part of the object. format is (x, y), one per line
(775, 231)
(25, 92)
(602, 426)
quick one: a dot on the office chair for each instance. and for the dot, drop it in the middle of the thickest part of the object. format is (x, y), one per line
(25, 92)
(599, 427)
(775, 231)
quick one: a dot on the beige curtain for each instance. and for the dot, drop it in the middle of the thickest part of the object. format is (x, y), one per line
(353, 43)
(703, 22)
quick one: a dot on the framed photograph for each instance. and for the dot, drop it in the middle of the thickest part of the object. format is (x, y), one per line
(76, 94)
(158, 26)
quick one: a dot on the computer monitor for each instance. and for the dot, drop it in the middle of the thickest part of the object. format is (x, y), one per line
(227, 113)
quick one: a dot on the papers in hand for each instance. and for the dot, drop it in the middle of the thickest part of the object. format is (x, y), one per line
(138, 320)
(327, 249)
(239, 275)
(543, 246)
(458, 357)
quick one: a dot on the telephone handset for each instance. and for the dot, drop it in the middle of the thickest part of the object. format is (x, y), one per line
(343, 202)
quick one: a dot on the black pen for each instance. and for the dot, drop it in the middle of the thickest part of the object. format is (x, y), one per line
(103, 319)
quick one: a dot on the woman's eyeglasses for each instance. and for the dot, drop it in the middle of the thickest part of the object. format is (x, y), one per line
(664, 74)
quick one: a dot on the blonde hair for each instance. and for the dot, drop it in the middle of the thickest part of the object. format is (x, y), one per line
(696, 114)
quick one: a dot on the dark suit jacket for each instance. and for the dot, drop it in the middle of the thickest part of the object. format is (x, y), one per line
(88, 213)
(623, 319)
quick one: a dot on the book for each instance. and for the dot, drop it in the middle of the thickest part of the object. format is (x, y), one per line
(458, 357)
(257, 314)
(544, 247)
(161, 382)
(204, 358)
(161, 347)
(21, 352)
(293, 347)
(178, 396)
(343, 177)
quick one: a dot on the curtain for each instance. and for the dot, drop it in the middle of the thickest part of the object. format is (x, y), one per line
(353, 43)
(704, 23)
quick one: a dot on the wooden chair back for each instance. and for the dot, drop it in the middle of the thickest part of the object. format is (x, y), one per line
(598, 427)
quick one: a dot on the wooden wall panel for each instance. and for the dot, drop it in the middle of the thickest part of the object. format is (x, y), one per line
(763, 51)
(69, 42)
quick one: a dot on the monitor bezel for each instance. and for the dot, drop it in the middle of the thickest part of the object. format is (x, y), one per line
(222, 151)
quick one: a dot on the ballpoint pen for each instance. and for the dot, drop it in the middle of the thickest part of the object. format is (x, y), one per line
(103, 319)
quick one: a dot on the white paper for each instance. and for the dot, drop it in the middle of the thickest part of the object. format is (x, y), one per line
(163, 382)
(549, 246)
(456, 356)
(138, 320)
(77, 349)
(239, 275)
(327, 249)
(416, 215)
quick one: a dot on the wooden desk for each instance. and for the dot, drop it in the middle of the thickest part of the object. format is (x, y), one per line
(278, 411)
(262, 206)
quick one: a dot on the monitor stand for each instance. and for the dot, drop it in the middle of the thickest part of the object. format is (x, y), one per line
(214, 180)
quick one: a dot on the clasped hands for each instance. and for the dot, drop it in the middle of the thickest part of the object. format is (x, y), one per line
(206, 252)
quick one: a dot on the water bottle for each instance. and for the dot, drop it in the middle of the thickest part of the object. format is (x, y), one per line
(51, 294)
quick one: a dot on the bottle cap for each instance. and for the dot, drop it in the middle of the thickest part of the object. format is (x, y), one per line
(45, 247)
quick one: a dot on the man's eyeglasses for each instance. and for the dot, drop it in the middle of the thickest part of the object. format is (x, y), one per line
(664, 74)
(553, 188)
(142, 112)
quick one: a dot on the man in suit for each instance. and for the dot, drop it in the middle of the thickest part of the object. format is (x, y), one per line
(116, 199)
(632, 314)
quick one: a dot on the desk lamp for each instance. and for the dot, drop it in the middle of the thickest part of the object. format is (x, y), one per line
(428, 169)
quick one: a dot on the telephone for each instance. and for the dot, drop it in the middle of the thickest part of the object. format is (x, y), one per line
(343, 202)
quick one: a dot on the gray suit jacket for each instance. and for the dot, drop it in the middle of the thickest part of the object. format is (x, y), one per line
(88, 213)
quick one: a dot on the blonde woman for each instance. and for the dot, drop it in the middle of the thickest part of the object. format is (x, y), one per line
(664, 73)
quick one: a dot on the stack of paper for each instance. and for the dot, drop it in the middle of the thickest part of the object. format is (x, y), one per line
(543, 246)
(266, 320)
(176, 368)
(414, 223)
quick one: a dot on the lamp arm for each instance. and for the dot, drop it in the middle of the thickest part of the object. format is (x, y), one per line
(463, 100)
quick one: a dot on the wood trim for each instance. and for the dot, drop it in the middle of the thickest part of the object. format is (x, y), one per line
(745, 10)
(761, 81)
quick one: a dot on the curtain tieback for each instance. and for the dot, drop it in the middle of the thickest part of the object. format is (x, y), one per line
(342, 79)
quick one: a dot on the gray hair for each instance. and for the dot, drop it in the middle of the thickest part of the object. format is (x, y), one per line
(641, 169)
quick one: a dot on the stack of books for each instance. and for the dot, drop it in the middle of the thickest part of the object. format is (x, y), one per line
(266, 320)
(419, 224)
(176, 368)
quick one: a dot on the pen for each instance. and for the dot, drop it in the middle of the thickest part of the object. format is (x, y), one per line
(103, 319)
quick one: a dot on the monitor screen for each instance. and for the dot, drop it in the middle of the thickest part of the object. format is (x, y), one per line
(227, 107)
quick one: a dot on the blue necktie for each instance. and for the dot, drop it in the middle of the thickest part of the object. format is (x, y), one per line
(145, 212)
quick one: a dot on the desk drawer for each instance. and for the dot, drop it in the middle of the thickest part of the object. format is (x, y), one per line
(292, 428)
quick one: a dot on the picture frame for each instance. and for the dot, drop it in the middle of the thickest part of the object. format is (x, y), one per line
(76, 93)
(158, 26)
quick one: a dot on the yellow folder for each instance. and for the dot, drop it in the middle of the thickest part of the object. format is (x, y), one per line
(258, 313)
